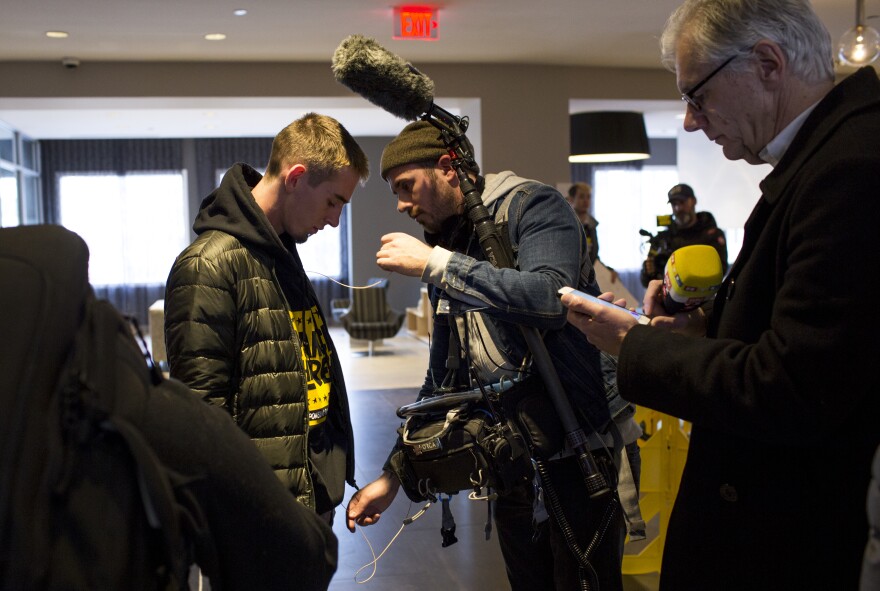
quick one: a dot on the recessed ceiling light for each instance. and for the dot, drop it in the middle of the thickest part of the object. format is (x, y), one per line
(57, 34)
(239, 12)
(215, 36)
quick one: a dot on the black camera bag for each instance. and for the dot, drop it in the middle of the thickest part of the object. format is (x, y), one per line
(467, 447)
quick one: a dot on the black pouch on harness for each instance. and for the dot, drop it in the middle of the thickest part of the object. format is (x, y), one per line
(530, 406)
(450, 445)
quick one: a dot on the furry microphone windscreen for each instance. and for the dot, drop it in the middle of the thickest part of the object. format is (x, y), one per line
(384, 79)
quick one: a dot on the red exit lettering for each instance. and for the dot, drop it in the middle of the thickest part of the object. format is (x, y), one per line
(415, 23)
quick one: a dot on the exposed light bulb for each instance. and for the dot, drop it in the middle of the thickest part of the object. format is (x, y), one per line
(859, 46)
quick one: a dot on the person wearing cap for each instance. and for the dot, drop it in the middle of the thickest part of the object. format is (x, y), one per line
(688, 227)
(486, 306)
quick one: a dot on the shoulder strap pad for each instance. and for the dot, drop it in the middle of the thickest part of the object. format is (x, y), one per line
(502, 216)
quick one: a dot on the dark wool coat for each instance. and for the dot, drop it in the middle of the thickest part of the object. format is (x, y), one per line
(781, 396)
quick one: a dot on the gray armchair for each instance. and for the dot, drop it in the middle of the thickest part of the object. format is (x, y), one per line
(370, 317)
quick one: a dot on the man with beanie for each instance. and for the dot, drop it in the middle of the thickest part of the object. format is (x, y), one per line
(242, 323)
(479, 308)
(688, 227)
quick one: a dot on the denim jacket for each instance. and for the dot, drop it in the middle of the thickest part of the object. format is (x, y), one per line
(551, 252)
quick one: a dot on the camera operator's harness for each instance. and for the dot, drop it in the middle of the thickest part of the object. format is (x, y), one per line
(491, 452)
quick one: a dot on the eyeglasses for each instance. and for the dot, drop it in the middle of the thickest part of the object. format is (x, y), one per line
(688, 96)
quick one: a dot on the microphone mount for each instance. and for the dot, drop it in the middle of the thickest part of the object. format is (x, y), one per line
(452, 130)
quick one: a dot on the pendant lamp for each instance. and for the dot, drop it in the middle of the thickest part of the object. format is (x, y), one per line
(860, 45)
(608, 136)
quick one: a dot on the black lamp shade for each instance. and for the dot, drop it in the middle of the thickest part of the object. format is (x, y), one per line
(608, 136)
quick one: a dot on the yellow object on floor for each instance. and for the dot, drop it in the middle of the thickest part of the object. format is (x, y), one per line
(663, 452)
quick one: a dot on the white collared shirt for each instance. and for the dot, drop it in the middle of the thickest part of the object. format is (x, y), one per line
(773, 152)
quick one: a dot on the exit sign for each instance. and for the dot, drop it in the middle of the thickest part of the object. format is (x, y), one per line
(415, 22)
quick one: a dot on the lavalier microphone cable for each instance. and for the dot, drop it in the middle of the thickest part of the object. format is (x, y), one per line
(375, 560)
(370, 286)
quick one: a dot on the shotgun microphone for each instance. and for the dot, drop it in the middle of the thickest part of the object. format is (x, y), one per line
(384, 79)
(693, 274)
(396, 86)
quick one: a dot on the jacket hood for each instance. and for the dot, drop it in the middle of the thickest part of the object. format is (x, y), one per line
(498, 185)
(231, 208)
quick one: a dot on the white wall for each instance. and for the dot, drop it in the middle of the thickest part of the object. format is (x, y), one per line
(728, 189)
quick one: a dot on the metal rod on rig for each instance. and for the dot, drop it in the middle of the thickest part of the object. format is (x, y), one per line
(452, 130)
(484, 225)
(597, 486)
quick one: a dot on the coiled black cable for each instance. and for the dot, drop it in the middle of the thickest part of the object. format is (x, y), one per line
(582, 556)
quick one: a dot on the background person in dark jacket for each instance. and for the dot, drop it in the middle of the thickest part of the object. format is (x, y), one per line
(688, 227)
(242, 323)
(580, 197)
(779, 380)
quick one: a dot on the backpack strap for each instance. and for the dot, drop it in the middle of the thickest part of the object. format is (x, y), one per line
(103, 327)
(502, 218)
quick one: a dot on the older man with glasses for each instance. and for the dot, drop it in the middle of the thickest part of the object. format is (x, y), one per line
(776, 377)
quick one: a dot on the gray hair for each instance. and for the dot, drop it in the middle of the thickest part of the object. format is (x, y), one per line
(720, 29)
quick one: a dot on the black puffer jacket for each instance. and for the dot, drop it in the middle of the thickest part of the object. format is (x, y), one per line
(229, 335)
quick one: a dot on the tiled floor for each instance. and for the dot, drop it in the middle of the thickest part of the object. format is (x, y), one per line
(378, 385)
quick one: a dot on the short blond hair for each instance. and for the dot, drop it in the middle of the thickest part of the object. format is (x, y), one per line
(321, 144)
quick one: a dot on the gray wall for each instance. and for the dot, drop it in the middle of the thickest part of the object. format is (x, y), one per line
(373, 212)
(524, 109)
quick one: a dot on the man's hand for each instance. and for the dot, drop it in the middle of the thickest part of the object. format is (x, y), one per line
(403, 254)
(690, 323)
(367, 504)
(652, 303)
(603, 326)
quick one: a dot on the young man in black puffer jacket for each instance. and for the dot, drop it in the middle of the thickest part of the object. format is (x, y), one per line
(243, 326)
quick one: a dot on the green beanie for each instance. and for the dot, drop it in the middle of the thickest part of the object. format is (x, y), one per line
(417, 142)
